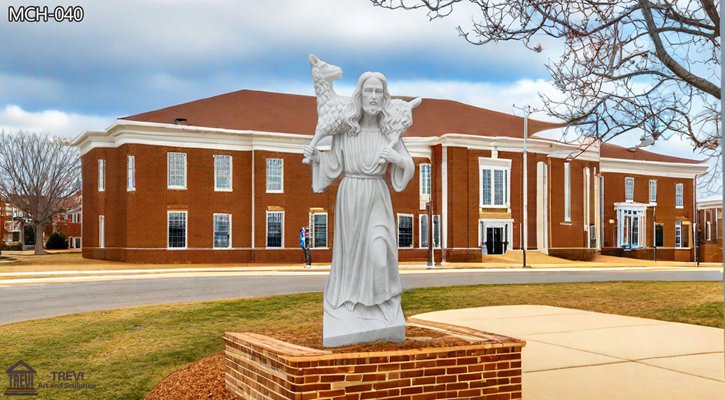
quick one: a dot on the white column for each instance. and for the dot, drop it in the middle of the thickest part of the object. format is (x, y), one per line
(526, 183)
(444, 211)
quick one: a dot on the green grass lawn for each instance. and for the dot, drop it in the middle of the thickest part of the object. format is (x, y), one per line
(125, 352)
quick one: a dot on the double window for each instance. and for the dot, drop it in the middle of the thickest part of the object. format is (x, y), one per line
(631, 227)
(176, 170)
(682, 234)
(423, 226)
(494, 186)
(275, 175)
(223, 173)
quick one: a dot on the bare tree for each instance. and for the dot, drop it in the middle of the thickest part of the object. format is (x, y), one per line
(645, 66)
(39, 175)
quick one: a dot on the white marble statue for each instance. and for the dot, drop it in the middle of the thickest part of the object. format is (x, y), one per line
(362, 295)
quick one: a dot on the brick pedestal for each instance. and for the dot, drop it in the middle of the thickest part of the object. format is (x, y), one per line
(488, 367)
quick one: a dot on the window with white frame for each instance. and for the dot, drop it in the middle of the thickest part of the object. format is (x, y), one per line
(405, 231)
(222, 231)
(679, 195)
(678, 233)
(629, 189)
(631, 226)
(586, 174)
(176, 228)
(424, 179)
(653, 191)
(682, 234)
(567, 192)
(275, 228)
(176, 170)
(101, 175)
(423, 229)
(131, 173)
(275, 175)
(436, 231)
(659, 235)
(101, 231)
(222, 173)
(717, 226)
(319, 230)
(494, 185)
(75, 218)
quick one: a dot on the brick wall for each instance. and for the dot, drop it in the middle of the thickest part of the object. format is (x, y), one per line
(666, 214)
(135, 221)
(259, 367)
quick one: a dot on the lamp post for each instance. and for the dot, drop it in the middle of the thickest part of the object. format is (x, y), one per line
(654, 235)
(525, 203)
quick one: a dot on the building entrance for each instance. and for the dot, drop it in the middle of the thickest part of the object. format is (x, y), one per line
(495, 240)
(494, 235)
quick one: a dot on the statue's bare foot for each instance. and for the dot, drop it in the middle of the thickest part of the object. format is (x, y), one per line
(349, 305)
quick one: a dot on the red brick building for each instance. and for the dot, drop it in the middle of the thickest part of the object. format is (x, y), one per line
(69, 222)
(710, 230)
(221, 180)
(10, 226)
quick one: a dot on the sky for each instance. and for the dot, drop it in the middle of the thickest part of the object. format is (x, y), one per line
(132, 56)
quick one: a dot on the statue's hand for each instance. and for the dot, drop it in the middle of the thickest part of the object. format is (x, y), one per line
(311, 153)
(391, 156)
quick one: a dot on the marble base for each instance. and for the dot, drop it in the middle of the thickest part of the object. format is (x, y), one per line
(347, 325)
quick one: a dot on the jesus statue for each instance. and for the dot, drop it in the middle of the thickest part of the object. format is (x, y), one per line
(362, 294)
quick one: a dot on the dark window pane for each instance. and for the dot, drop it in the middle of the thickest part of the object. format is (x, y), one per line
(274, 230)
(405, 231)
(177, 229)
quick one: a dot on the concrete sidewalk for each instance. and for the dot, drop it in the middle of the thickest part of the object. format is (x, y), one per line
(70, 276)
(574, 354)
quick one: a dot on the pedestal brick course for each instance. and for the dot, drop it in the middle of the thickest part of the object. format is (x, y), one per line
(487, 367)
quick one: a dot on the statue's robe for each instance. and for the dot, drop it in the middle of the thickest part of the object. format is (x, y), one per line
(363, 290)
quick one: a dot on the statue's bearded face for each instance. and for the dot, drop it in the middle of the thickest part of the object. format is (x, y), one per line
(372, 96)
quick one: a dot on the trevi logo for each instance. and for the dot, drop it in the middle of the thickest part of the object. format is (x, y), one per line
(21, 377)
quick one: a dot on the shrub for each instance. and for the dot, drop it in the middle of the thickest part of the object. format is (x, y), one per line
(57, 240)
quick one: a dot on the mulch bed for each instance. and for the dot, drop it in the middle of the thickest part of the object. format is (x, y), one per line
(204, 379)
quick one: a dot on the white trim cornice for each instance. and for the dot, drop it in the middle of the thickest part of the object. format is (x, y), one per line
(144, 133)
(708, 204)
(651, 168)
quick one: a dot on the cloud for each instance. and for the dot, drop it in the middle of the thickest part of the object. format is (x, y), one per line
(118, 59)
(53, 122)
(506, 97)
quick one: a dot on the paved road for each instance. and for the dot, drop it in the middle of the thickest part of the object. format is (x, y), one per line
(19, 303)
